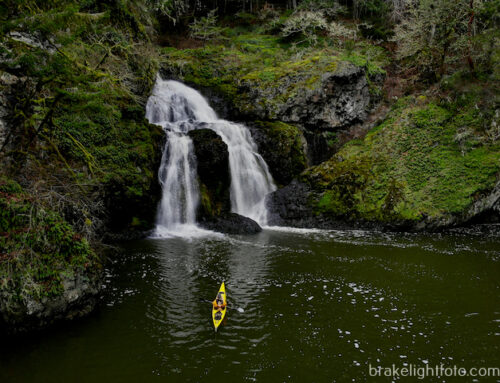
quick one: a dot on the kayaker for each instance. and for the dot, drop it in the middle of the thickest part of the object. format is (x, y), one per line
(219, 302)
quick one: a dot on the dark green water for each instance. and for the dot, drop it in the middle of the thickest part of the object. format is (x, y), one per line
(313, 307)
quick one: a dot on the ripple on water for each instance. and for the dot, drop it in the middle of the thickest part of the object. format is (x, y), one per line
(336, 299)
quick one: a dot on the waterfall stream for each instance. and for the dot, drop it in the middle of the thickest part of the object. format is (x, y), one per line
(179, 109)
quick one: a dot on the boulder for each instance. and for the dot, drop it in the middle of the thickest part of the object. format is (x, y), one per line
(230, 223)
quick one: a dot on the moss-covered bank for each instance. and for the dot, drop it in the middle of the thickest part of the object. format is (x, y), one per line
(42, 259)
(74, 79)
(429, 161)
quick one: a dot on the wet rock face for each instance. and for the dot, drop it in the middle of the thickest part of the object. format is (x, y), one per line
(342, 98)
(283, 147)
(289, 206)
(212, 159)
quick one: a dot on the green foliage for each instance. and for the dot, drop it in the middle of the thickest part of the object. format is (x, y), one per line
(90, 79)
(344, 184)
(37, 247)
(305, 24)
(376, 16)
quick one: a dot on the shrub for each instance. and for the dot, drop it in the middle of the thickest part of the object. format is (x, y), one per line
(205, 28)
(305, 24)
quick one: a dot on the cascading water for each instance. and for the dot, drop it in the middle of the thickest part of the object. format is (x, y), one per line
(178, 180)
(179, 109)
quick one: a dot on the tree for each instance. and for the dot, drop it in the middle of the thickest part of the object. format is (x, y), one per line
(435, 35)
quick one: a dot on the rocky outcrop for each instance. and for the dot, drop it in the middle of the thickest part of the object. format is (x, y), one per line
(485, 209)
(338, 99)
(289, 206)
(283, 147)
(53, 275)
(213, 172)
(293, 206)
(86, 159)
(322, 103)
(78, 298)
(214, 212)
(34, 40)
(408, 173)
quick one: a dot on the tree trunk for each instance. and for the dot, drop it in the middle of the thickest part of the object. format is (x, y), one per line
(470, 61)
(442, 65)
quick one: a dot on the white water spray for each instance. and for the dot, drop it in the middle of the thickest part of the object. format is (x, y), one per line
(179, 109)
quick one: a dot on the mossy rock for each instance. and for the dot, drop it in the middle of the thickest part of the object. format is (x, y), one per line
(261, 77)
(283, 147)
(40, 252)
(212, 158)
(87, 107)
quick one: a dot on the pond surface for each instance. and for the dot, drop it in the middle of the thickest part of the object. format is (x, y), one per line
(307, 306)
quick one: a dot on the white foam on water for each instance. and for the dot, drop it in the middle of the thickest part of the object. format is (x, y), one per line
(183, 231)
(296, 230)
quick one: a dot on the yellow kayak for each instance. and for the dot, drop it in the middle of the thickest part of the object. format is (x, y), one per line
(218, 314)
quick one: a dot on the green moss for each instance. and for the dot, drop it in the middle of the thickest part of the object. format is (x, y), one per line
(283, 149)
(205, 201)
(89, 124)
(37, 247)
(372, 57)
(411, 165)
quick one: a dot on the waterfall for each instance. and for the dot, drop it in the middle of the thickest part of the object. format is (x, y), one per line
(179, 109)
